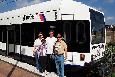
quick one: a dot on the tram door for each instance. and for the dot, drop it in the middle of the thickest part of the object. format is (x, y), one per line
(10, 40)
(3, 38)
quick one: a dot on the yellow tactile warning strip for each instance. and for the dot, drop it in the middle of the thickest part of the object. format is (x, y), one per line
(9, 70)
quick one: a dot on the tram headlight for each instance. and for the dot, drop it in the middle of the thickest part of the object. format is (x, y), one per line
(82, 57)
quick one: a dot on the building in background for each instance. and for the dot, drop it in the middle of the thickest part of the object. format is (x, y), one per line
(110, 33)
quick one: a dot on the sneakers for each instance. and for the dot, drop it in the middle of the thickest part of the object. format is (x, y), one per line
(46, 72)
(36, 71)
(43, 74)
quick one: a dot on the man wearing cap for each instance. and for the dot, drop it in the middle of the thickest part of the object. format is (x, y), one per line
(60, 51)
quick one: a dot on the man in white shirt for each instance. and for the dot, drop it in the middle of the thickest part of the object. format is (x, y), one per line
(50, 41)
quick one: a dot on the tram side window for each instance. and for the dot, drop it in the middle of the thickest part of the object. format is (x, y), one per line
(4, 34)
(67, 31)
(83, 36)
(81, 32)
(11, 37)
(97, 27)
(77, 36)
(69, 35)
(17, 30)
(0, 34)
(27, 35)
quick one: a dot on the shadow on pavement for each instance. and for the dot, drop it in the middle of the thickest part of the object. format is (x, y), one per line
(10, 73)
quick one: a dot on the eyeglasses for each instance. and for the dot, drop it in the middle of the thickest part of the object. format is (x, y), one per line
(40, 35)
(58, 37)
(51, 33)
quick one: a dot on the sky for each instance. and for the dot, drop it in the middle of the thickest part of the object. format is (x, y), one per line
(106, 6)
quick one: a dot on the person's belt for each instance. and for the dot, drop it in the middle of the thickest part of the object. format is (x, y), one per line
(58, 54)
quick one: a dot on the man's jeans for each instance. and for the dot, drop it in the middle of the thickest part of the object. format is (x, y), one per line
(59, 61)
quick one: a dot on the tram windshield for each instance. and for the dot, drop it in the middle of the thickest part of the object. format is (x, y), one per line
(97, 27)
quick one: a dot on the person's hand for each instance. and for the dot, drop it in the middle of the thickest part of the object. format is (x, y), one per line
(52, 56)
(65, 58)
(33, 53)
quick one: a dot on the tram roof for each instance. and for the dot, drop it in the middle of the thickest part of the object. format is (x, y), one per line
(62, 6)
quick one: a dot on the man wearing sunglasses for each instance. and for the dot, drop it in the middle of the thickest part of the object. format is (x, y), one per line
(60, 51)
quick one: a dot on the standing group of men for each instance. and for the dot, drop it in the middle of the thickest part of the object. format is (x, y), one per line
(50, 51)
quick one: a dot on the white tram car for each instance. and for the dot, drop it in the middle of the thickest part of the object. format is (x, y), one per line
(83, 29)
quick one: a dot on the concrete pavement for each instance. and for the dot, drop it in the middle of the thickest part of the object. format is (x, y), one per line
(9, 70)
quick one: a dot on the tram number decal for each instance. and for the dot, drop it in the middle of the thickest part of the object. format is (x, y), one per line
(98, 54)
